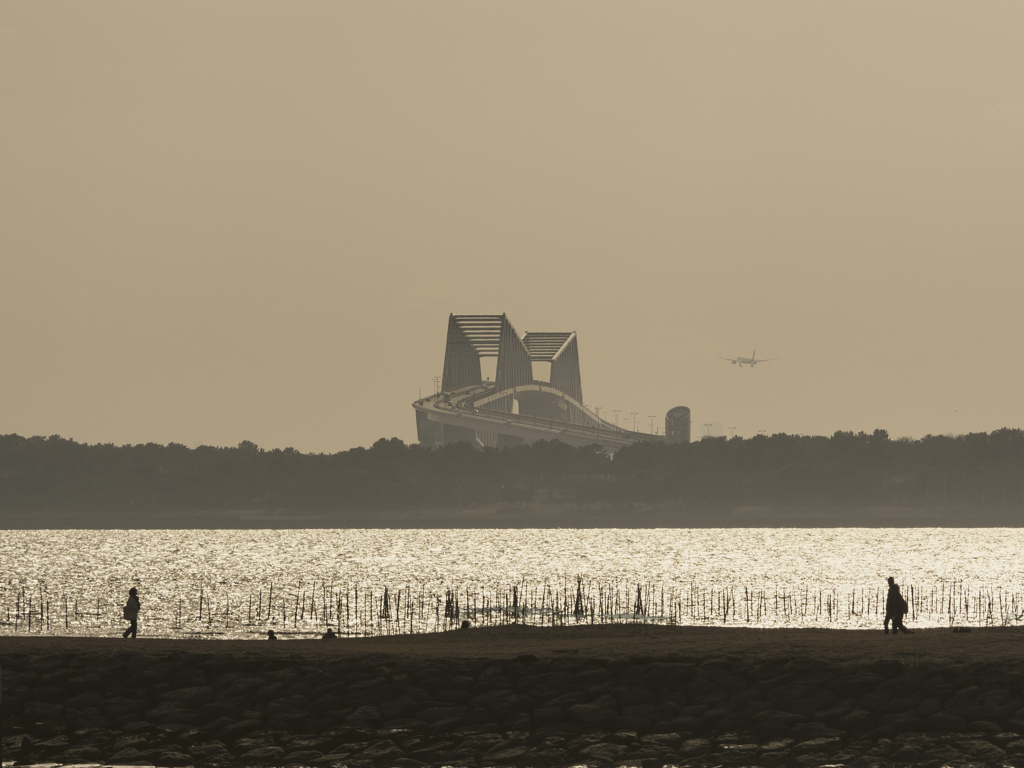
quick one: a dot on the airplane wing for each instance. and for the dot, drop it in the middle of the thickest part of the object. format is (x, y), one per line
(731, 360)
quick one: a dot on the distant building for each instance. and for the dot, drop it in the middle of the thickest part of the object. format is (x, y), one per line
(677, 425)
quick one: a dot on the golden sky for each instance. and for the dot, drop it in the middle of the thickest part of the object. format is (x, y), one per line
(250, 220)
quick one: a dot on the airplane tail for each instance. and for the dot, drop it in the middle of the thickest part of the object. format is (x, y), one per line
(753, 355)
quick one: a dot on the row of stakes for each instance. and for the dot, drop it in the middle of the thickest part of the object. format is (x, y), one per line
(412, 610)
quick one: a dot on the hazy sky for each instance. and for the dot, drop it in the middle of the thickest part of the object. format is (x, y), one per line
(228, 221)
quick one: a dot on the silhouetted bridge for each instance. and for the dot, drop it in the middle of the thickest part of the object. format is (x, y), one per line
(515, 408)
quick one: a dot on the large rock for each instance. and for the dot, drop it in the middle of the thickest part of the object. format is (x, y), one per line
(43, 711)
(317, 743)
(669, 741)
(382, 751)
(173, 759)
(245, 687)
(806, 731)
(516, 721)
(84, 700)
(507, 755)
(632, 723)
(824, 745)
(946, 721)
(857, 719)
(443, 726)
(786, 694)
(666, 710)
(332, 759)
(456, 696)
(208, 750)
(694, 748)
(779, 716)
(544, 683)
(902, 723)
(987, 753)
(733, 721)
(603, 752)
(125, 757)
(942, 753)
(366, 714)
(233, 731)
(129, 742)
(681, 724)
(286, 705)
(263, 755)
(119, 707)
(267, 693)
(489, 699)
(547, 715)
(887, 669)
(190, 698)
(436, 714)
(515, 703)
(481, 742)
(80, 755)
(170, 712)
(735, 754)
(598, 713)
(875, 700)
(83, 683)
(302, 757)
(567, 699)
(632, 695)
(984, 726)
(248, 744)
(852, 686)
(549, 757)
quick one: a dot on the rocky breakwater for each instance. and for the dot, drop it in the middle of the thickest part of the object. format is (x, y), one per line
(202, 709)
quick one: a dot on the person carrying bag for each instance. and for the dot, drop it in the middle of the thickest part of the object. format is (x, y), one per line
(131, 613)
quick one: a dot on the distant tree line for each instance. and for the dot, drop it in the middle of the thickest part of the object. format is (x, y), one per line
(55, 474)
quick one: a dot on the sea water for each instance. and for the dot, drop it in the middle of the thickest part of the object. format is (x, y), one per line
(239, 584)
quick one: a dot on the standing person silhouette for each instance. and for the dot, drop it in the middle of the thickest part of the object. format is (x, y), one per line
(131, 613)
(895, 608)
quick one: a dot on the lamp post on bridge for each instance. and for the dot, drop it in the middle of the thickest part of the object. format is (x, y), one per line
(633, 414)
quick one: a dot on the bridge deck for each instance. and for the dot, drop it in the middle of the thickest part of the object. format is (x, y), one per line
(463, 408)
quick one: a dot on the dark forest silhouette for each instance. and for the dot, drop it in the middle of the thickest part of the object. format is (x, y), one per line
(54, 474)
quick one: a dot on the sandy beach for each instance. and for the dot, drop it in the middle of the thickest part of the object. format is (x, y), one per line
(939, 646)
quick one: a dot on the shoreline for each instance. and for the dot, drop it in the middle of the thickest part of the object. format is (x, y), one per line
(862, 646)
(540, 515)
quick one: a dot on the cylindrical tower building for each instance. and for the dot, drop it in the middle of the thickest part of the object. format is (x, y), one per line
(677, 425)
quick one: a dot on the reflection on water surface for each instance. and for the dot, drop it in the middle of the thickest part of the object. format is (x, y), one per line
(239, 583)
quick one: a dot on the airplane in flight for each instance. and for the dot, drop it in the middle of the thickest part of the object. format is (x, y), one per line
(751, 361)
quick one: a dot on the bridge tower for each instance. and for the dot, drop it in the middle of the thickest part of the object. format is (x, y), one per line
(516, 407)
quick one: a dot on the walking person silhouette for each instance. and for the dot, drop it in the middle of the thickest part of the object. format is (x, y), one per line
(131, 613)
(895, 608)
